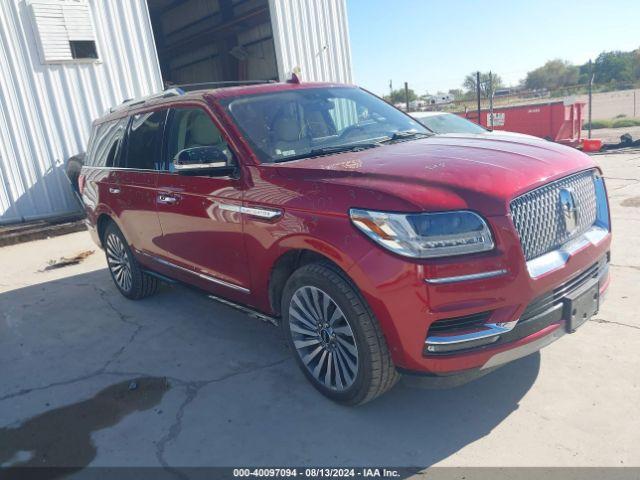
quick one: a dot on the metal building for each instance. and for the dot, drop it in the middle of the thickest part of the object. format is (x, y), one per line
(63, 63)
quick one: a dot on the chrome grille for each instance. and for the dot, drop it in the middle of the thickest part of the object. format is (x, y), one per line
(539, 218)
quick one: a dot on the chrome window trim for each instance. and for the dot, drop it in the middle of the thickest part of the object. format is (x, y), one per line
(199, 274)
(558, 258)
(491, 330)
(145, 170)
(179, 167)
(466, 278)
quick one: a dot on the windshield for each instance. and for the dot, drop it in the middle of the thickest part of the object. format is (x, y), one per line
(292, 124)
(450, 123)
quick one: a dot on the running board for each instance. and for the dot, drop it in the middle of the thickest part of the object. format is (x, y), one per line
(250, 311)
(160, 276)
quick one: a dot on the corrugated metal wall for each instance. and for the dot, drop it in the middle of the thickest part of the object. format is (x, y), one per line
(46, 110)
(312, 35)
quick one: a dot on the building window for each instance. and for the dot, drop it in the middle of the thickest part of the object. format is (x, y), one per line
(64, 31)
(83, 49)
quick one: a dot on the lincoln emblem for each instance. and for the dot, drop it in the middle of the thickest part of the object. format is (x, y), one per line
(569, 209)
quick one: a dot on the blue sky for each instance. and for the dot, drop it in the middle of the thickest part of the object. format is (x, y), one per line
(433, 44)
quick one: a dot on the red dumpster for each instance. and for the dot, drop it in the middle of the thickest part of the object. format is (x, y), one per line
(558, 121)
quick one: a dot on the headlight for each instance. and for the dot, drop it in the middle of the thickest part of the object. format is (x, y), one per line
(425, 235)
(602, 204)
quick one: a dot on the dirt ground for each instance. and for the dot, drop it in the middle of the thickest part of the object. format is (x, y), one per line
(612, 135)
(607, 105)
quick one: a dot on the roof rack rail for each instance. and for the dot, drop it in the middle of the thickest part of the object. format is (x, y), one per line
(175, 90)
(130, 102)
(188, 87)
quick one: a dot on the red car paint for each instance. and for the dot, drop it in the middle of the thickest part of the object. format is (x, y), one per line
(315, 195)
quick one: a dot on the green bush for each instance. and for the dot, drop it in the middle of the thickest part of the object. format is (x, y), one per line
(595, 124)
(615, 123)
(626, 122)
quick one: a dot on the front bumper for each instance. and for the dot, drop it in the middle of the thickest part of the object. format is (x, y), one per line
(541, 323)
(542, 312)
(520, 317)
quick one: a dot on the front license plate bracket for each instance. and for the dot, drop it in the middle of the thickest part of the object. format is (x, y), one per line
(581, 305)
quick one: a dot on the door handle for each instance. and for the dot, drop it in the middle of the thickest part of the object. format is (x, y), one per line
(167, 199)
(114, 190)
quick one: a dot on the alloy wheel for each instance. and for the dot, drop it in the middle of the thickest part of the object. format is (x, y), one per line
(323, 338)
(118, 260)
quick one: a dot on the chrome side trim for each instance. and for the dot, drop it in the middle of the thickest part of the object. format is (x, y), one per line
(492, 329)
(466, 278)
(127, 169)
(199, 274)
(524, 350)
(253, 211)
(558, 258)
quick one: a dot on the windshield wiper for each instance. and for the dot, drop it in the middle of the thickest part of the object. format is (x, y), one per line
(406, 134)
(353, 147)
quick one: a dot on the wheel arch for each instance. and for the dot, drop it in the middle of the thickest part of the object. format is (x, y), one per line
(298, 251)
(104, 219)
(287, 263)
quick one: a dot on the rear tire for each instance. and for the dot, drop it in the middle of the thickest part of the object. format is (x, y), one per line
(335, 338)
(125, 271)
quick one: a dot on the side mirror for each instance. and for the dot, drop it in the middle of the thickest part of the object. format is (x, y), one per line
(207, 160)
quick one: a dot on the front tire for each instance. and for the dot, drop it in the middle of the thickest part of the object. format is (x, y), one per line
(125, 271)
(334, 336)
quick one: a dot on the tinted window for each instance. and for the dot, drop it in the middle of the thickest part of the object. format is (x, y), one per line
(193, 128)
(105, 144)
(144, 140)
(293, 123)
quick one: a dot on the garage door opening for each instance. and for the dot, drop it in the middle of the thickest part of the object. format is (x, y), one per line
(213, 41)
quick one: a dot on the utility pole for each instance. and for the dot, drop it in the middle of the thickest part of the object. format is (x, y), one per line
(406, 94)
(478, 95)
(390, 88)
(590, 96)
(490, 99)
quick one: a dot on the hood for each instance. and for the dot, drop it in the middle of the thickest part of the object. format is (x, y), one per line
(477, 172)
(511, 135)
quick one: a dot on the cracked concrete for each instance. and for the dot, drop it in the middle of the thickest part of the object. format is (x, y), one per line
(237, 398)
(611, 322)
(192, 389)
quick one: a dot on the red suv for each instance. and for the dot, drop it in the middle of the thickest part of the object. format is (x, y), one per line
(381, 248)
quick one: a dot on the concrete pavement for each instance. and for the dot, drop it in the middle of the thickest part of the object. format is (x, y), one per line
(180, 380)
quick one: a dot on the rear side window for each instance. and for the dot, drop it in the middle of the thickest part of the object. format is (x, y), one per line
(106, 144)
(144, 140)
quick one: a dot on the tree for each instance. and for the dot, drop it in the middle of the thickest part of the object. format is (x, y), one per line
(636, 63)
(487, 82)
(552, 75)
(398, 96)
(614, 67)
